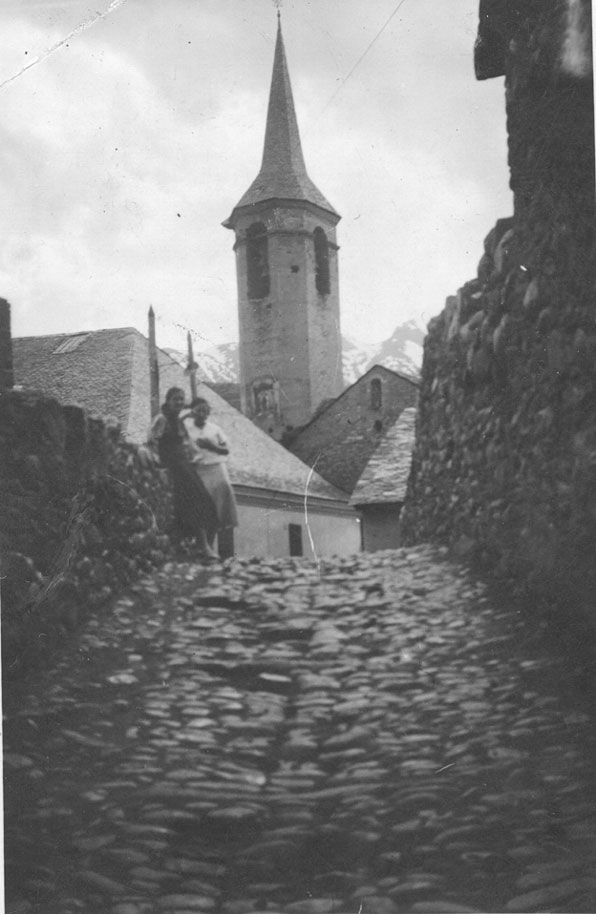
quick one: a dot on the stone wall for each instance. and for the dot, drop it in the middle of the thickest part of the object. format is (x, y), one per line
(504, 467)
(340, 440)
(79, 517)
(290, 337)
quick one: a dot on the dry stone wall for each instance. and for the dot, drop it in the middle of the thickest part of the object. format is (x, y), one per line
(504, 467)
(80, 515)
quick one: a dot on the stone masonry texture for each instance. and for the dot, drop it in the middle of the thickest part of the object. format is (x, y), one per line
(340, 440)
(79, 517)
(374, 734)
(292, 335)
(504, 467)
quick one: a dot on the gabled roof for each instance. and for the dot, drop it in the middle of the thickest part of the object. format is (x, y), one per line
(93, 369)
(341, 438)
(283, 174)
(229, 390)
(258, 460)
(385, 476)
(333, 402)
(107, 373)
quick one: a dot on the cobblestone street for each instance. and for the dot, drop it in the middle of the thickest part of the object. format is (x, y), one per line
(376, 735)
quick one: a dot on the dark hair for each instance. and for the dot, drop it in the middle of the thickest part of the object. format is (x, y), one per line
(200, 401)
(170, 393)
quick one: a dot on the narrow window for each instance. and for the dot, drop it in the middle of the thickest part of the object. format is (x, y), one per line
(376, 394)
(295, 531)
(257, 261)
(322, 281)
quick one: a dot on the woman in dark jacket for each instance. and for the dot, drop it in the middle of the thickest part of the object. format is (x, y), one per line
(194, 511)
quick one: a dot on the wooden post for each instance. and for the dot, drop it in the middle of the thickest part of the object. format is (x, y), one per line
(6, 363)
(153, 367)
(191, 367)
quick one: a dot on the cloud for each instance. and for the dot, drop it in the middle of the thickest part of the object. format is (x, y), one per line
(86, 23)
(121, 154)
(109, 204)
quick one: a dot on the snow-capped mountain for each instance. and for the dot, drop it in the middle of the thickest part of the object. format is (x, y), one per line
(402, 352)
(217, 363)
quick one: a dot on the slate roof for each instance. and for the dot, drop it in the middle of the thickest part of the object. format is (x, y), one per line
(229, 390)
(91, 369)
(107, 373)
(283, 173)
(342, 436)
(385, 476)
(256, 459)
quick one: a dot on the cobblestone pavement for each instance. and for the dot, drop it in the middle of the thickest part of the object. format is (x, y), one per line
(375, 735)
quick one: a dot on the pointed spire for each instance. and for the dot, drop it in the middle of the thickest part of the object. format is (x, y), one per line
(283, 173)
(282, 153)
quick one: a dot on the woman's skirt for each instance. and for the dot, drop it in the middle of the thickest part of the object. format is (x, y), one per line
(194, 509)
(214, 477)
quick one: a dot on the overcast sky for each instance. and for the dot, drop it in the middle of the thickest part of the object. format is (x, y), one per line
(135, 126)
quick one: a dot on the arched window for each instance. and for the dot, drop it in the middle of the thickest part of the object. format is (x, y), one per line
(265, 396)
(257, 261)
(376, 394)
(322, 281)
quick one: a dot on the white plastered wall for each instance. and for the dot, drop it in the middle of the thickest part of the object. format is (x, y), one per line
(264, 531)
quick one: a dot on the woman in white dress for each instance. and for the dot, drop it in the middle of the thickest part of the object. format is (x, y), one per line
(210, 453)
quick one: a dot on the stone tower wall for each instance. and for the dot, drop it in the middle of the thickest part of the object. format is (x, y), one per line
(292, 335)
(504, 467)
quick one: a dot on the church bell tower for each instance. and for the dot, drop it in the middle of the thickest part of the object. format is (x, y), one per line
(286, 267)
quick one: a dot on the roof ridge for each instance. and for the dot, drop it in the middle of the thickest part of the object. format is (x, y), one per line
(333, 400)
(48, 336)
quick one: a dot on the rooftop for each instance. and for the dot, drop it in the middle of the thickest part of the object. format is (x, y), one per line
(385, 477)
(107, 373)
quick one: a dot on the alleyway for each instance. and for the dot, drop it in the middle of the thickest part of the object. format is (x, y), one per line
(373, 736)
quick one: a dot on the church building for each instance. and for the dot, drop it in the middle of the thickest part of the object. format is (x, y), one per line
(287, 273)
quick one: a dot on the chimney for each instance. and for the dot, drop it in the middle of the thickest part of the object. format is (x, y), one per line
(153, 366)
(6, 363)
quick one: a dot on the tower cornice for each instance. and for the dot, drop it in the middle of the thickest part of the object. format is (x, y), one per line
(257, 209)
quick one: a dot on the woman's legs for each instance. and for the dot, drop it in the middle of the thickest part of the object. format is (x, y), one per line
(194, 509)
(205, 547)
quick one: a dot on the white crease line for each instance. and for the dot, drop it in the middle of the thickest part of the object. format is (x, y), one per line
(56, 47)
(312, 543)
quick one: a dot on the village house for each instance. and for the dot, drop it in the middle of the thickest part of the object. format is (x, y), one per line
(381, 490)
(294, 499)
(340, 439)
(284, 507)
